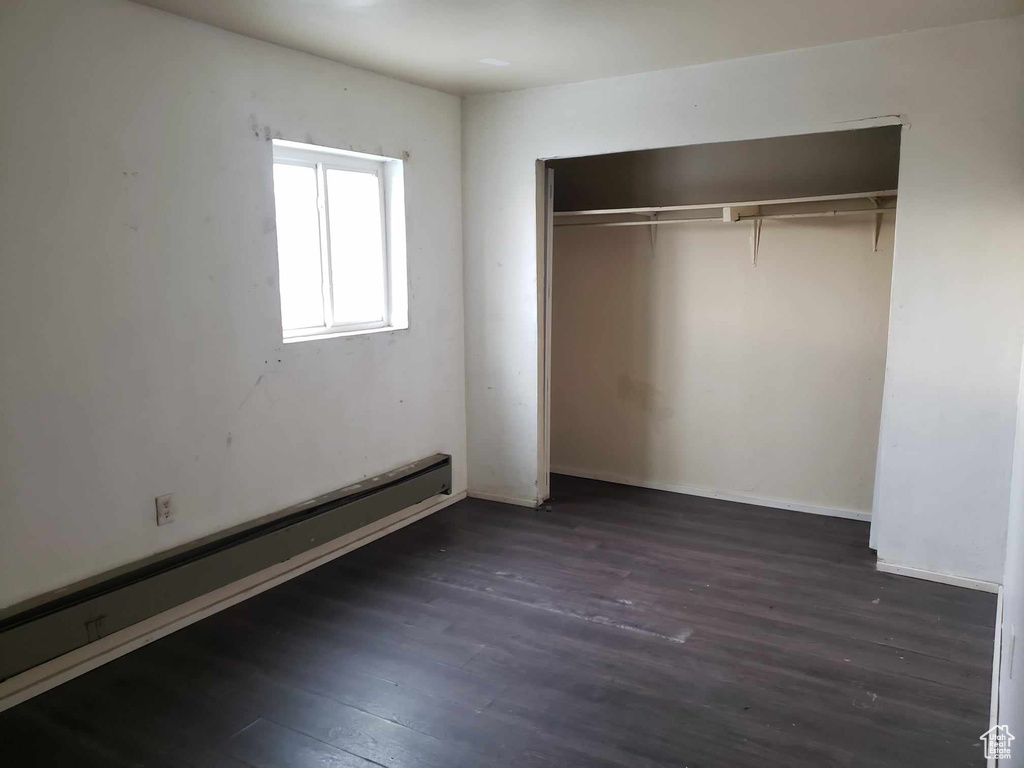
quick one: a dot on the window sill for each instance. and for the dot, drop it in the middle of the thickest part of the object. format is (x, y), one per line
(329, 334)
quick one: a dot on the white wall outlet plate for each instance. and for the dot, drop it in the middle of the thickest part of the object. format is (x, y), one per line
(165, 509)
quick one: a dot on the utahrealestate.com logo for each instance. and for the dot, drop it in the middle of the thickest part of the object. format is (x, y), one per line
(997, 742)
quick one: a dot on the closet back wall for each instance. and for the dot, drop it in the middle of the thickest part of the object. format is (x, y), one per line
(696, 370)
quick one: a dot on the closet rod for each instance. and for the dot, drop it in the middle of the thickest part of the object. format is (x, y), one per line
(758, 217)
(702, 206)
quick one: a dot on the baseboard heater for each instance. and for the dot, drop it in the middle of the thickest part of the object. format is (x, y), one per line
(36, 631)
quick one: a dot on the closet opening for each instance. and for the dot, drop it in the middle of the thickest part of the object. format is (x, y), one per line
(714, 317)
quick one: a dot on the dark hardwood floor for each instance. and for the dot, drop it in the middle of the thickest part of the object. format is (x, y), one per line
(620, 627)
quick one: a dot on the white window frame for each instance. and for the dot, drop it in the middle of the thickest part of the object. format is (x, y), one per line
(390, 178)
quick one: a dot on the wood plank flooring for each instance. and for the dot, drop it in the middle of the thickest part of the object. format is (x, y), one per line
(620, 627)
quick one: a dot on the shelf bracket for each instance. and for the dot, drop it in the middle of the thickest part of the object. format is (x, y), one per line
(744, 213)
(755, 240)
(876, 227)
(654, 233)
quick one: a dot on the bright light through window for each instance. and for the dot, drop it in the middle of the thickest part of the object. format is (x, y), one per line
(340, 241)
(298, 246)
(357, 246)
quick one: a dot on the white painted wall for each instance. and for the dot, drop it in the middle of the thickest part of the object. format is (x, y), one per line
(691, 367)
(1011, 668)
(141, 351)
(958, 278)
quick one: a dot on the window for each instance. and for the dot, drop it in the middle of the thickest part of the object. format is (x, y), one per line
(340, 241)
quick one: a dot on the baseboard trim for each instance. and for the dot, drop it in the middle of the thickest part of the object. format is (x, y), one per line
(50, 674)
(760, 501)
(997, 652)
(532, 503)
(941, 578)
(55, 623)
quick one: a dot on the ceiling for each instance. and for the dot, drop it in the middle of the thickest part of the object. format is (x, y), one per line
(440, 43)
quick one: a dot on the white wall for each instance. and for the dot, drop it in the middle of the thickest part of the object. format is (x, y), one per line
(958, 278)
(141, 351)
(1011, 689)
(690, 367)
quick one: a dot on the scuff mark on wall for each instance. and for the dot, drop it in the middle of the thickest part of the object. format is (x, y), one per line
(645, 396)
(259, 380)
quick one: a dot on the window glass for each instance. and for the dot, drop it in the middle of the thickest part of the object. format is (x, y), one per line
(298, 246)
(357, 248)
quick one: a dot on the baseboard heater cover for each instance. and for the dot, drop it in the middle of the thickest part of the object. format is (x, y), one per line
(44, 628)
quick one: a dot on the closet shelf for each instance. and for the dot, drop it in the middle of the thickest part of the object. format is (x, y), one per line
(877, 204)
(878, 197)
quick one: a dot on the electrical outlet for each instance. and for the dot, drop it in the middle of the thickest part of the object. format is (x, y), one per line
(165, 509)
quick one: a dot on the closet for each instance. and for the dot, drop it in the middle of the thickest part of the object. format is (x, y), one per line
(719, 316)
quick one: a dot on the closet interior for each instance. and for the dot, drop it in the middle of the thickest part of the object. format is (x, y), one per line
(719, 317)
